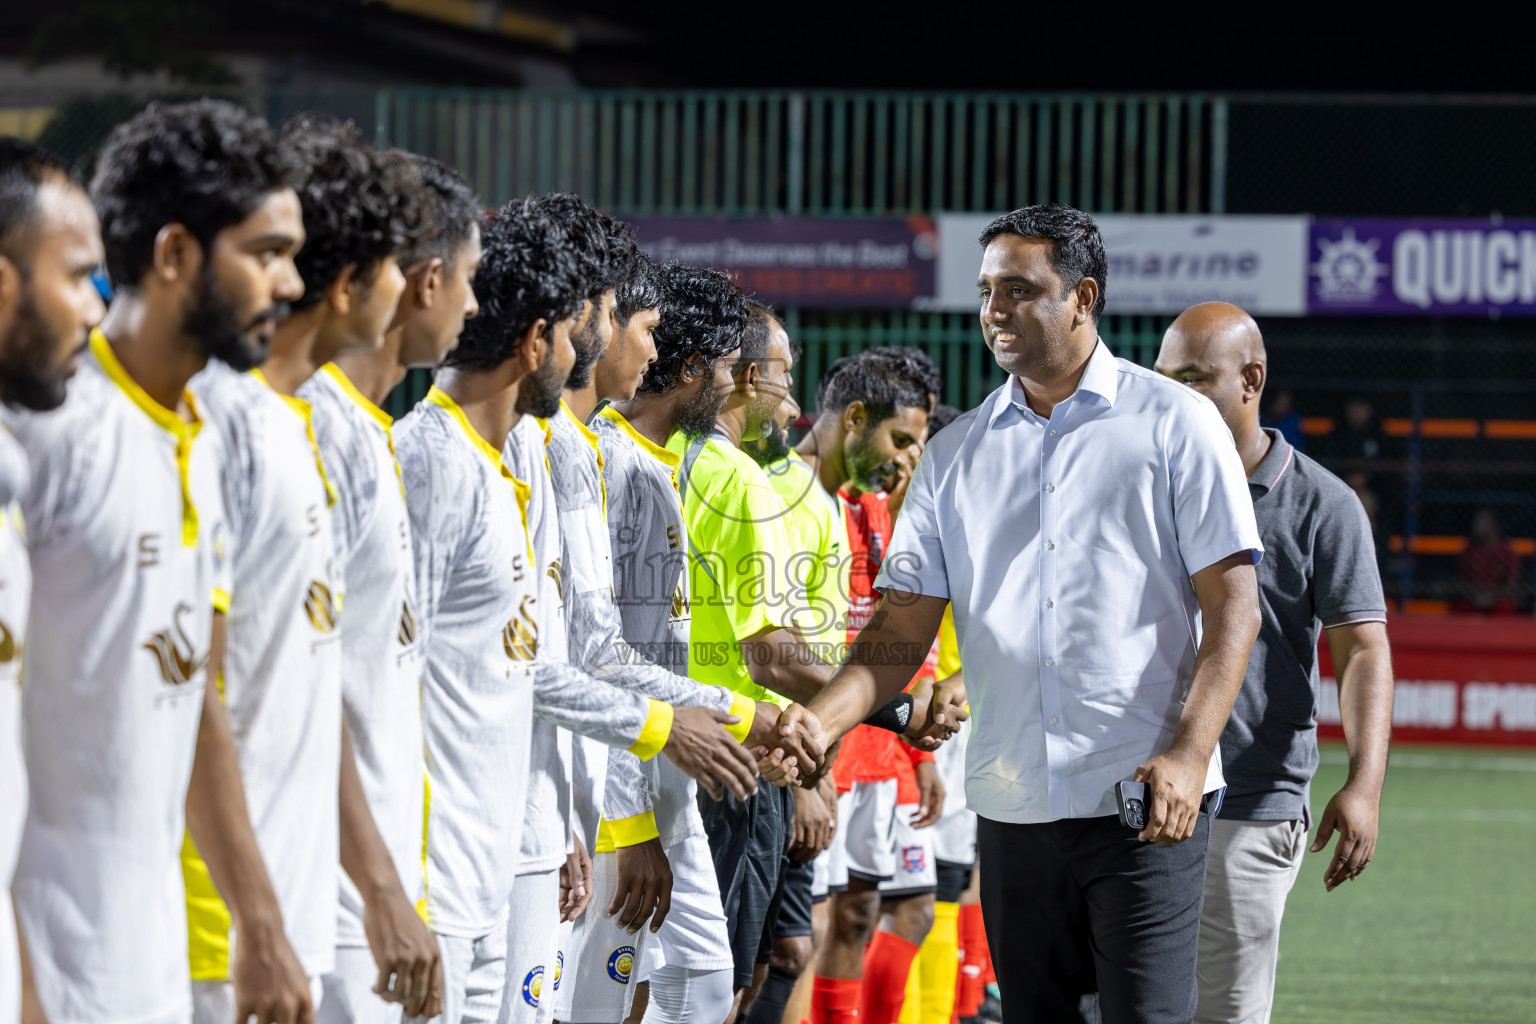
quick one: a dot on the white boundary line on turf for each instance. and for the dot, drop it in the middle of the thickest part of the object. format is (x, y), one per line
(1442, 762)
(1513, 816)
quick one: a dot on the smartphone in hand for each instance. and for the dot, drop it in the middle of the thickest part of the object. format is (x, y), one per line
(1132, 798)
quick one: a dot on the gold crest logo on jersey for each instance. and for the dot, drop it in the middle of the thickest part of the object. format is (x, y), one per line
(520, 637)
(682, 608)
(322, 608)
(407, 633)
(7, 645)
(553, 572)
(173, 649)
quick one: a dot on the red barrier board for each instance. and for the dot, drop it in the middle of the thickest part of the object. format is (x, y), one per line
(1460, 679)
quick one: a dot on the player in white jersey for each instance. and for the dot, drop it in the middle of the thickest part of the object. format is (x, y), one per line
(283, 658)
(50, 243)
(380, 643)
(200, 225)
(596, 633)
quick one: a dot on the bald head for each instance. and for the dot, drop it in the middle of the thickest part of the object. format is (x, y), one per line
(1217, 349)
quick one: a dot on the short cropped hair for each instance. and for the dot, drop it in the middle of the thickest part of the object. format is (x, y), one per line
(24, 168)
(880, 380)
(703, 314)
(640, 291)
(207, 165)
(360, 206)
(527, 273)
(450, 213)
(941, 417)
(1077, 248)
(755, 338)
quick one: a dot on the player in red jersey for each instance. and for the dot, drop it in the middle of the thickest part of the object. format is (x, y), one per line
(873, 414)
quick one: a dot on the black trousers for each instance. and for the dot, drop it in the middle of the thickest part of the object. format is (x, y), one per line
(1087, 924)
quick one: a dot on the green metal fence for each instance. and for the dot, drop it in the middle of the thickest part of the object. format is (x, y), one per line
(822, 153)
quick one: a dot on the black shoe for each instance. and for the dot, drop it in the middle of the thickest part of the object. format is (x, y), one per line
(991, 1010)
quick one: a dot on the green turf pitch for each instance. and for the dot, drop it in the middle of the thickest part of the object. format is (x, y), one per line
(1442, 925)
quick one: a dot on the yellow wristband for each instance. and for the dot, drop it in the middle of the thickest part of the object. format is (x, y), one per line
(632, 831)
(655, 733)
(745, 708)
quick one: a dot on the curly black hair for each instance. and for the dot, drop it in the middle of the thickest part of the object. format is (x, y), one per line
(360, 206)
(528, 272)
(1077, 247)
(604, 247)
(883, 379)
(941, 417)
(704, 314)
(24, 168)
(640, 291)
(206, 165)
(450, 212)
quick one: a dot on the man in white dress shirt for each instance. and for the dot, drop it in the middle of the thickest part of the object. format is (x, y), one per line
(1085, 522)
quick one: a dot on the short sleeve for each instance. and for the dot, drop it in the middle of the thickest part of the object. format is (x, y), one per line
(1212, 509)
(1346, 582)
(914, 561)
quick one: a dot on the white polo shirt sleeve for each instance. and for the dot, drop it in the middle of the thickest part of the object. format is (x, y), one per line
(1212, 509)
(914, 560)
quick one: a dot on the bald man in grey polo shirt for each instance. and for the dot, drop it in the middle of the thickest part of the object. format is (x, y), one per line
(1319, 573)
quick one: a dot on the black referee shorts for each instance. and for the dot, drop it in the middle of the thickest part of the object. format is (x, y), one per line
(747, 840)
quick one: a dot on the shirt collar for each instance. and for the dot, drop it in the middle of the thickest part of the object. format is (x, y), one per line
(1100, 377)
(1274, 464)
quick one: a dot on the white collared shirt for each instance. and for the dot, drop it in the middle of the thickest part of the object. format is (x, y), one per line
(1066, 547)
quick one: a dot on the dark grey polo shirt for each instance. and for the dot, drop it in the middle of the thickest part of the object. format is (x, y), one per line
(1319, 571)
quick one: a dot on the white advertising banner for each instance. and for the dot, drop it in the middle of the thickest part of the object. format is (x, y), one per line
(1162, 264)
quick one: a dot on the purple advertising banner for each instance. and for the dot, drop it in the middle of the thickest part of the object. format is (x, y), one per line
(806, 261)
(1365, 267)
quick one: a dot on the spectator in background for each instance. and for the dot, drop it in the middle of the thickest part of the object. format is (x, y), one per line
(1358, 435)
(1282, 416)
(1488, 572)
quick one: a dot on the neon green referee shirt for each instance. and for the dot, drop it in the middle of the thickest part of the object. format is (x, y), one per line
(820, 569)
(739, 541)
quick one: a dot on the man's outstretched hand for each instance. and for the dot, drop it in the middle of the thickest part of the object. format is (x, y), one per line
(799, 747)
(1355, 815)
(703, 750)
(937, 711)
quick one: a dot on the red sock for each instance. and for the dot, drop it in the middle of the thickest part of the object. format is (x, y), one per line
(887, 963)
(834, 1000)
(977, 964)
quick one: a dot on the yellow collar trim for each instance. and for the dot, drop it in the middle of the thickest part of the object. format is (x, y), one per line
(344, 382)
(591, 438)
(305, 412)
(440, 398)
(184, 431)
(664, 455)
(382, 418)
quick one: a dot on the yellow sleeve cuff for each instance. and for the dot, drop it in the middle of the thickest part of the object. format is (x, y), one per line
(658, 728)
(745, 708)
(632, 831)
(221, 600)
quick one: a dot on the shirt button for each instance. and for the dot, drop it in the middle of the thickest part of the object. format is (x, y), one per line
(1050, 487)
(1050, 545)
(1053, 721)
(1053, 434)
(1049, 603)
(1049, 663)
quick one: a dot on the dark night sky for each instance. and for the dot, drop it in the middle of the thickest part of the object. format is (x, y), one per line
(1307, 47)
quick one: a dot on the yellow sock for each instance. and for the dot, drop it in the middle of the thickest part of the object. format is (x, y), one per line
(911, 1006)
(938, 964)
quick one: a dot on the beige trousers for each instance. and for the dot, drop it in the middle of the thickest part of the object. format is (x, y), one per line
(1252, 866)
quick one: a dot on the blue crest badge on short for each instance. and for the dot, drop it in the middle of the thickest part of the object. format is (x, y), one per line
(554, 986)
(620, 962)
(531, 985)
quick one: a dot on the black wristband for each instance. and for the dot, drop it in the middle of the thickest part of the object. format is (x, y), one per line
(895, 716)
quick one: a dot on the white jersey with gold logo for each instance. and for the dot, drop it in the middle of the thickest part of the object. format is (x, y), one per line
(15, 590)
(123, 519)
(477, 588)
(282, 663)
(380, 649)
